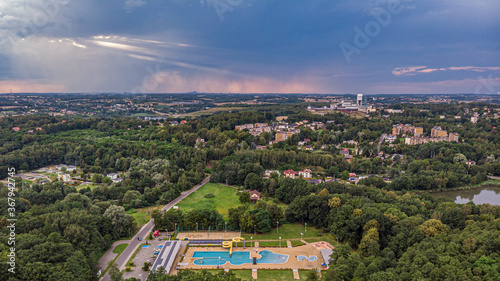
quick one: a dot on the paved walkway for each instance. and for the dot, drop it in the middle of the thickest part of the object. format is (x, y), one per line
(304, 241)
(254, 273)
(319, 273)
(289, 243)
(256, 244)
(296, 274)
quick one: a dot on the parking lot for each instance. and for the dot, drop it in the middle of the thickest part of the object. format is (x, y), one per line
(144, 255)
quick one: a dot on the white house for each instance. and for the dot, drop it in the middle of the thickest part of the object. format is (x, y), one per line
(113, 176)
(268, 173)
(306, 174)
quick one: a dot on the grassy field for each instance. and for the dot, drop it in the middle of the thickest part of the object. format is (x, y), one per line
(81, 186)
(210, 111)
(141, 216)
(267, 275)
(287, 231)
(120, 248)
(276, 275)
(225, 198)
(243, 274)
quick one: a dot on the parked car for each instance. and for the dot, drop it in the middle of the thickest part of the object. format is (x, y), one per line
(139, 238)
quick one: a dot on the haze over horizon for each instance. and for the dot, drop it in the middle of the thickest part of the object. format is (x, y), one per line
(248, 46)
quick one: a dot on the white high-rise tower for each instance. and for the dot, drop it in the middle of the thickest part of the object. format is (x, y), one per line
(360, 100)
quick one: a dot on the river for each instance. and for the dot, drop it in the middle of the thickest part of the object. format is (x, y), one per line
(490, 195)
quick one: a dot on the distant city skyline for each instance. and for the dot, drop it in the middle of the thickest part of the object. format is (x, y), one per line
(249, 46)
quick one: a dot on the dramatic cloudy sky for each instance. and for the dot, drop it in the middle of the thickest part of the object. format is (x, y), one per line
(250, 46)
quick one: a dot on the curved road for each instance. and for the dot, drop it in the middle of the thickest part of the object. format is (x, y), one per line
(145, 229)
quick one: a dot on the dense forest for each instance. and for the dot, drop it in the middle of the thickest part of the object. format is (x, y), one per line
(388, 232)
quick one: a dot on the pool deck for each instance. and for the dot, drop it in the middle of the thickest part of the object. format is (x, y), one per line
(292, 263)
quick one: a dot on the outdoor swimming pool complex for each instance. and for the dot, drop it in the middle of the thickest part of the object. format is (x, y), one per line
(237, 258)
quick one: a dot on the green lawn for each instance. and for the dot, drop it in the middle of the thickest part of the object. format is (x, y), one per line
(81, 186)
(276, 275)
(120, 248)
(225, 198)
(141, 216)
(267, 275)
(243, 274)
(286, 231)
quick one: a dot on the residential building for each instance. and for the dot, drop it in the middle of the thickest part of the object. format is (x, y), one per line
(284, 135)
(306, 174)
(258, 125)
(453, 137)
(419, 131)
(255, 195)
(268, 173)
(242, 127)
(390, 138)
(437, 132)
(290, 174)
(113, 176)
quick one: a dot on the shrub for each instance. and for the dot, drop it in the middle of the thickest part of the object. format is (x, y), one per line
(210, 195)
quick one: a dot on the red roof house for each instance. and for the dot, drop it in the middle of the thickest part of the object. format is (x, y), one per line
(290, 174)
(254, 195)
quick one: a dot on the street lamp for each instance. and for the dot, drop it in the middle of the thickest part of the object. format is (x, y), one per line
(175, 227)
(301, 235)
(277, 226)
(254, 229)
(280, 241)
(196, 227)
(251, 241)
(225, 230)
(305, 228)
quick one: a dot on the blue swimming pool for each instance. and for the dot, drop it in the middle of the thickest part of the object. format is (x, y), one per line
(237, 258)
(310, 258)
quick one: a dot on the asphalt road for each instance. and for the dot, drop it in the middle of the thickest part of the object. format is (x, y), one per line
(144, 231)
(380, 142)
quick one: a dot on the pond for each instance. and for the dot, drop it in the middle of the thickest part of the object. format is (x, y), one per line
(490, 195)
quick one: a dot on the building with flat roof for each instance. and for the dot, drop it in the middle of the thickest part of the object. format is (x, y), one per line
(167, 256)
(438, 132)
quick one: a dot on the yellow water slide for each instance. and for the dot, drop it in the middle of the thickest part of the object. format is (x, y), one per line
(229, 244)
